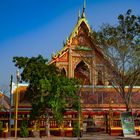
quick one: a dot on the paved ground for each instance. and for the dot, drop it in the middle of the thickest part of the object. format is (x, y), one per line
(94, 136)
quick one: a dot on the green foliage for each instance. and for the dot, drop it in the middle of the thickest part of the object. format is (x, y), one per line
(120, 46)
(48, 88)
(121, 43)
(76, 129)
(24, 132)
(1, 126)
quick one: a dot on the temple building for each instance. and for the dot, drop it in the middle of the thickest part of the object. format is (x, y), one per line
(81, 58)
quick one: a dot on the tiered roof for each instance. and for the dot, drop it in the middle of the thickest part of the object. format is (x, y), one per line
(81, 19)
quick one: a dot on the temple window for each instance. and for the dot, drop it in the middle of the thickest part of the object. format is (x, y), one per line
(63, 72)
(100, 75)
(82, 72)
(100, 80)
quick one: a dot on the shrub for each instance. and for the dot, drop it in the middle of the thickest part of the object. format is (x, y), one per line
(76, 129)
(24, 132)
(1, 126)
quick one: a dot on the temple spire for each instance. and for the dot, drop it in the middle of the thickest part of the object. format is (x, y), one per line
(79, 14)
(84, 7)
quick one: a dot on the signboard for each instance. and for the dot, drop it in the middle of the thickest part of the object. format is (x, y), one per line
(12, 121)
(128, 124)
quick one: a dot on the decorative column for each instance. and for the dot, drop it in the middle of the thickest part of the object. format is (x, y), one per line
(93, 77)
(70, 64)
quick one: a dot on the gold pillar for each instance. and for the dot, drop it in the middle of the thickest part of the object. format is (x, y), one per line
(93, 77)
(16, 104)
(70, 64)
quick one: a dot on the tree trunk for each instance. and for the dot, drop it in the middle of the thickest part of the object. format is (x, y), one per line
(48, 126)
(128, 106)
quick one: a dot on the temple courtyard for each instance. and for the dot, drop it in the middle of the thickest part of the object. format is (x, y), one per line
(90, 136)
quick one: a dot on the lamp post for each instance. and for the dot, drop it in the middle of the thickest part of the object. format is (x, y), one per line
(16, 102)
(10, 105)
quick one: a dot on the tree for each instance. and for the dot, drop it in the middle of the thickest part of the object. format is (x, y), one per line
(120, 47)
(48, 89)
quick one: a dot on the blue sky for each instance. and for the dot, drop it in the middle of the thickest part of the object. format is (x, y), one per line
(32, 27)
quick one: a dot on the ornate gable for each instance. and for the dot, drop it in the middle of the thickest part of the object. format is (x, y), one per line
(79, 54)
(77, 38)
(69, 57)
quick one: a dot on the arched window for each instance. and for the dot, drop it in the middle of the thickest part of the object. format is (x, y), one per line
(63, 72)
(100, 78)
(82, 72)
(100, 75)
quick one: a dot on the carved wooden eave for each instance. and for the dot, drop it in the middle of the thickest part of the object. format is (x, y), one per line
(67, 45)
(76, 29)
(4, 102)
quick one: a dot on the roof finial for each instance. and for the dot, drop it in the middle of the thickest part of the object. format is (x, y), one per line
(79, 14)
(84, 7)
